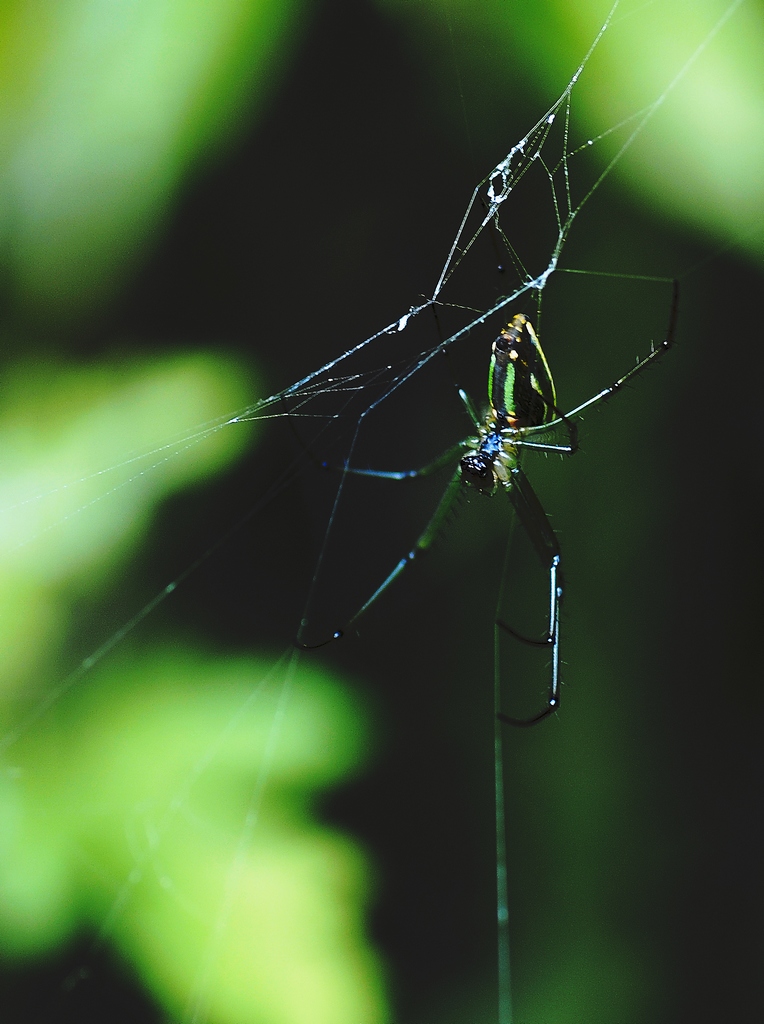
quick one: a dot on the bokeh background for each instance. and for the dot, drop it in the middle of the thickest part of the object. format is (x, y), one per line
(200, 205)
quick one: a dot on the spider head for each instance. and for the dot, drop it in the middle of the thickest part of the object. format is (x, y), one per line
(477, 470)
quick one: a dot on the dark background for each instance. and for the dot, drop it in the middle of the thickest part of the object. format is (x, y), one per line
(633, 815)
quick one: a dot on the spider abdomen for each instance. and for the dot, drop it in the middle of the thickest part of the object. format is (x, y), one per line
(520, 386)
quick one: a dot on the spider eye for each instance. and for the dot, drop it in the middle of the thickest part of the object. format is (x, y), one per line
(477, 470)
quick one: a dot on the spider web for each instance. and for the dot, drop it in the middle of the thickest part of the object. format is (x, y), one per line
(340, 412)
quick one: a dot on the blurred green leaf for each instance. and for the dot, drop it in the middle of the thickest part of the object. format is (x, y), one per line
(88, 451)
(168, 805)
(104, 108)
(163, 800)
(701, 160)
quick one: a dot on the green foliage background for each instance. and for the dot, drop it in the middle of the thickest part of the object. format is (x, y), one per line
(201, 203)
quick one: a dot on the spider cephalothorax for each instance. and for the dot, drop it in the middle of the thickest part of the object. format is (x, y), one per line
(494, 457)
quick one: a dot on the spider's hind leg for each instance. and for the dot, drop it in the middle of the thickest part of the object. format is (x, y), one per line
(535, 523)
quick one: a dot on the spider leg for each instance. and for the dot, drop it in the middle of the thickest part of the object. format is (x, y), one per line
(561, 420)
(430, 531)
(402, 474)
(541, 535)
(431, 467)
(470, 407)
(612, 389)
(543, 446)
(425, 540)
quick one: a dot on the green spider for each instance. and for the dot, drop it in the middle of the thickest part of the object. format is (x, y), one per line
(522, 411)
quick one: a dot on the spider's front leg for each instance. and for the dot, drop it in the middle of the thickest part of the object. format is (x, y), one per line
(422, 544)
